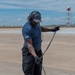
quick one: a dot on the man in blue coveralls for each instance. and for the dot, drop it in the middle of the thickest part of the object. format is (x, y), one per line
(31, 51)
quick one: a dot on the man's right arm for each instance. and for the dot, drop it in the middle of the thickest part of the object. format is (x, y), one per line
(32, 51)
(31, 48)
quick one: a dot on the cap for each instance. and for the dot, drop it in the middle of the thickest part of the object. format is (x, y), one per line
(37, 20)
(37, 17)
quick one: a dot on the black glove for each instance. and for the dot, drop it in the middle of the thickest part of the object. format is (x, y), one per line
(55, 29)
(37, 60)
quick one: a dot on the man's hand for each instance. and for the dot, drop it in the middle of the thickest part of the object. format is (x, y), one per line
(37, 60)
(55, 29)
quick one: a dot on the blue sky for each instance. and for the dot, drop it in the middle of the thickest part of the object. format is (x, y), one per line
(15, 12)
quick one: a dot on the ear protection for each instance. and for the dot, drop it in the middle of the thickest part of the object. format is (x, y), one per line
(33, 15)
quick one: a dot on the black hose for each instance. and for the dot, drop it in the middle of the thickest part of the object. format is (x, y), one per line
(48, 45)
(44, 70)
(46, 50)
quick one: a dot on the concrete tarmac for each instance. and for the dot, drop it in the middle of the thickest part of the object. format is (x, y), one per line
(58, 60)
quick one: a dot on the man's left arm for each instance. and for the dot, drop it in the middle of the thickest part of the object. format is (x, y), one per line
(45, 29)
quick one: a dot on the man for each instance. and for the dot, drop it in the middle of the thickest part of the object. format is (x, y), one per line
(31, 51)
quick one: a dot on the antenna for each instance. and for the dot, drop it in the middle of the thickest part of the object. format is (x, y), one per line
(69, 16)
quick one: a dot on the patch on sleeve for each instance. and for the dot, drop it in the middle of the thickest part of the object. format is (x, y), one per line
(26, 37)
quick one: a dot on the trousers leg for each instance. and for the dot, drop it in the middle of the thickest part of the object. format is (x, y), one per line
(38, 68)
(29, 66)
(28, 63)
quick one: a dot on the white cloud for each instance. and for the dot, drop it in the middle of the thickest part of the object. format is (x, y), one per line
(18, 19)
(55, 5)
(52, 5)
(74, 17)
(52, 21)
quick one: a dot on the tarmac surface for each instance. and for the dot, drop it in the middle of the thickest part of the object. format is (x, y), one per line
(58, 60)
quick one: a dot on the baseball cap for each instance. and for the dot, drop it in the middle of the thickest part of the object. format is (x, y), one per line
(37, 18)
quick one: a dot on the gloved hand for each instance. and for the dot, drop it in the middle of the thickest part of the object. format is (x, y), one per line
(37, 60)
(55, 29)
